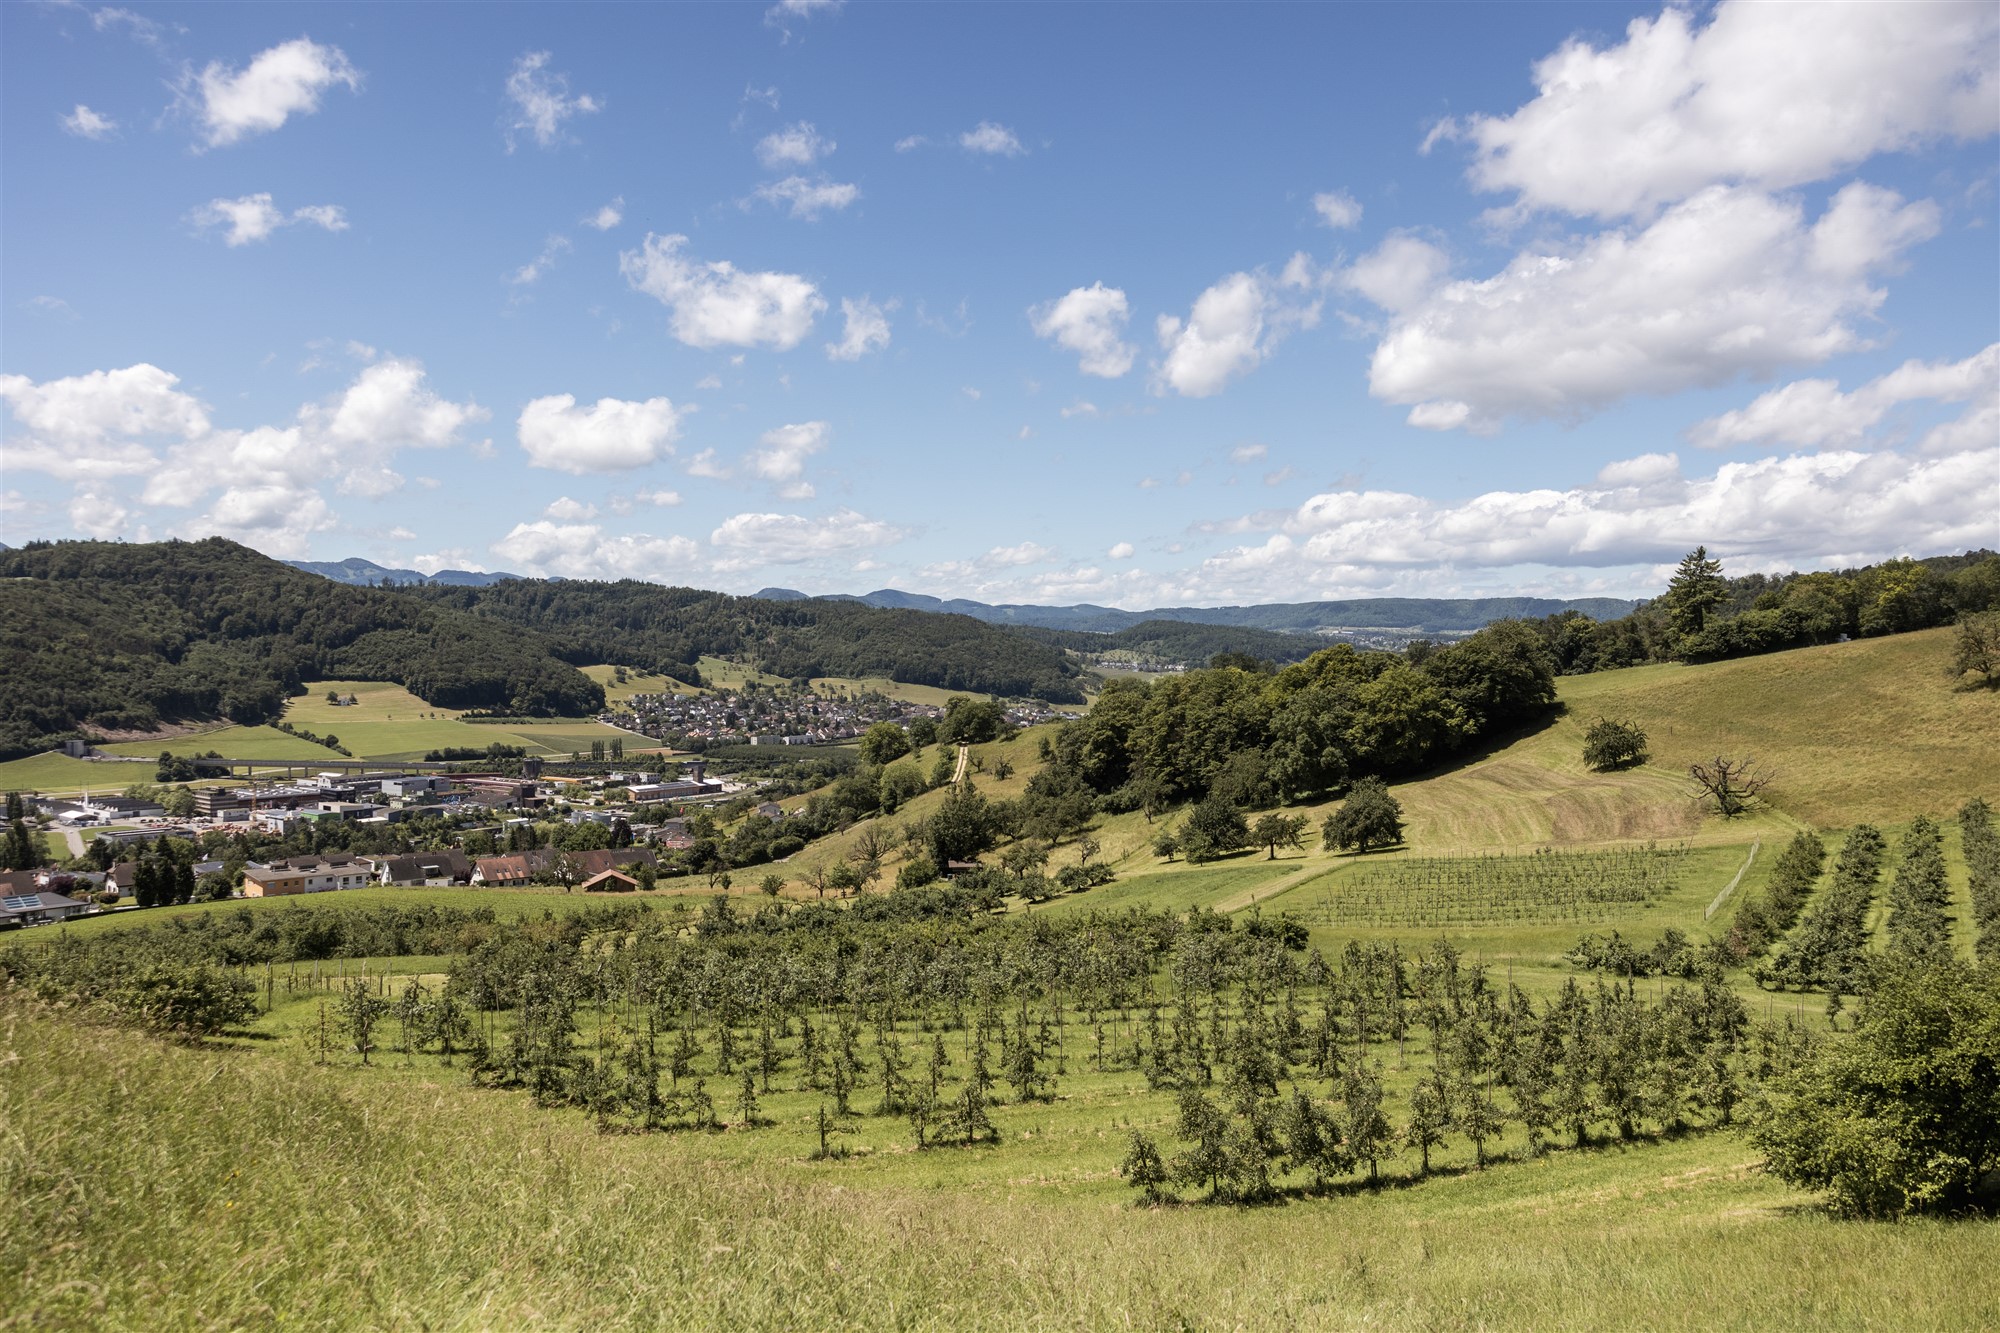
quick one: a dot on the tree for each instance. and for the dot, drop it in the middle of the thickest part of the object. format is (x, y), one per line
(884, 743)
(1144, 1170)
(1903, 1116)
(746, 1098)
(1696, 588)
(1731, 783)
(23, 847)
(1977, 647)
(1166, 844)
(1609, 745)
(566, 868)
(772, 885)
(1369, 1134)
(1430, 1116)
(1369, 818)
(1213, 828)
(1312, 1138)
(1274, 831)
(360, 1010)
(962, 827)
(1477, 1118)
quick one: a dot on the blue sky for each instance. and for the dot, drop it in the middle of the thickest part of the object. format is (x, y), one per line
(1129, 304)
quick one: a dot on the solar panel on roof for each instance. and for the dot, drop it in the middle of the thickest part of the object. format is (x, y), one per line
(17, 903)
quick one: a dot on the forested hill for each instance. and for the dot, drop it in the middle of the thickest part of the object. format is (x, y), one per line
(111, 636)
(658, 628)
(1423, 615)
(116, 636)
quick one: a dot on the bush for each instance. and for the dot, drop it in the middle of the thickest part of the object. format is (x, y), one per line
(1905, 1116)
(1610, 745)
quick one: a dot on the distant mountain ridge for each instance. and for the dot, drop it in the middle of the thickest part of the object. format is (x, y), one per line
(1431, 615)
(367, 574)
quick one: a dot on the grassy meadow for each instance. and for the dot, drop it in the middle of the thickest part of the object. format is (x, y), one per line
(386, 722)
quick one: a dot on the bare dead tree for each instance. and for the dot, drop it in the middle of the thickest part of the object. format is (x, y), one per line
(1731, 783)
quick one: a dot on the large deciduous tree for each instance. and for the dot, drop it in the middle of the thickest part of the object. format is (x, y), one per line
(1369, 818)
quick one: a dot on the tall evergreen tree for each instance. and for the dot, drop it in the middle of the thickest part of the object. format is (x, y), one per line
(1696, 588)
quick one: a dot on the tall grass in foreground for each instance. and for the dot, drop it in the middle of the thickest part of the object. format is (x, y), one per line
(157, 1187)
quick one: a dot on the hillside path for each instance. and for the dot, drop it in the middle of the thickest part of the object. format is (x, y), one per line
(1257, 893)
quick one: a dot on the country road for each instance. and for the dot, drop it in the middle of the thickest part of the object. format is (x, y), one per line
(964, 762)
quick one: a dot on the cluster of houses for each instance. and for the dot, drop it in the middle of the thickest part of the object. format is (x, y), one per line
(334, 871)
(765, 716)
(371, 800)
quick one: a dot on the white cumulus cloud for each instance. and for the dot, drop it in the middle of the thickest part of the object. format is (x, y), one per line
(97, 424)
(991, 139)
(866, 329)
(786, 539)
(1730, 282)
(1398, 273)
(1801, 511)
(796, 145)
(87, 124)
(612, 435)
(285, 81)
(531, 272)
(1122, 551)
(782, 458)
(254, 217)
(716, 304)
(607, 217)
(540, 101)
(586, 551)
(1231, 329)
(807, 199)
(1769, 96)
(1815, 413)
(1337, 209)
(1089, 321)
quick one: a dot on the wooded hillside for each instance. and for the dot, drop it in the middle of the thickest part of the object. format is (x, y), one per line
(115, 636)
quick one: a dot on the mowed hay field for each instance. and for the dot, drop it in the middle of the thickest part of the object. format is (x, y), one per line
(223, 1188)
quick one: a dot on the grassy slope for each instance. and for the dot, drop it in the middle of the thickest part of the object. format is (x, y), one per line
(247, 1186)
